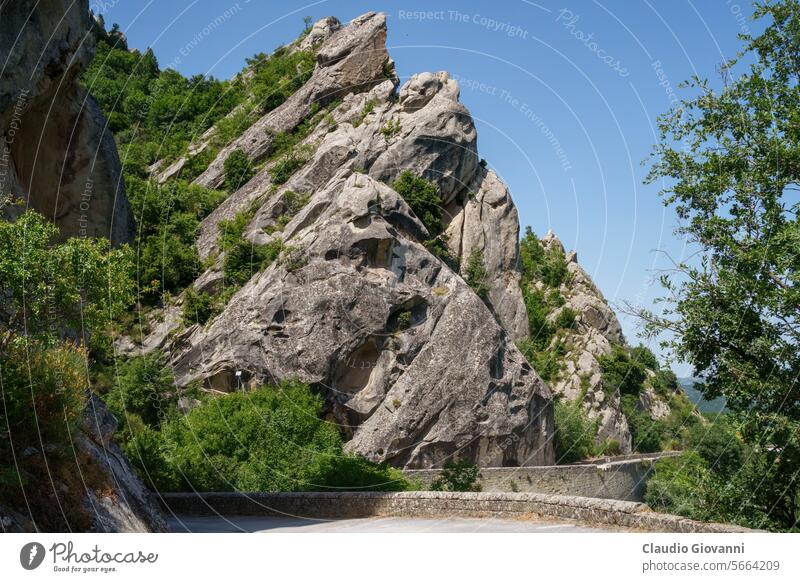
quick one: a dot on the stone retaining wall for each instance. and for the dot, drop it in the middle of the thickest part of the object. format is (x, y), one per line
(439, 505)
(622, 478)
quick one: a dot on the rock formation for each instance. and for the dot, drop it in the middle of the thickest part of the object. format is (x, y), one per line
(367, 311)
(57, 156)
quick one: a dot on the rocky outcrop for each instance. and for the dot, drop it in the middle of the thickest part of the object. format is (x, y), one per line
(596, 330)
(372, 316)
(357, 304)
(110, 493)
(127, 505)
(57, 155)
(352, 58)
(488, 223)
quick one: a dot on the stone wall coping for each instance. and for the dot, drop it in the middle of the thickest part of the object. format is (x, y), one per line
(334, 505)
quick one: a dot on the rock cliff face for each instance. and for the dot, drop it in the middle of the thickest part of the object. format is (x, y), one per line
(596, 329)
(58, 157)
(416, 367)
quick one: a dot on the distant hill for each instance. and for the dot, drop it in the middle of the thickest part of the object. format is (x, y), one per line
(703, 405)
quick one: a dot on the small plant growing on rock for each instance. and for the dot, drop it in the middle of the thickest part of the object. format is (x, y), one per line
(458, 476)
(476, 275)
(391, 128)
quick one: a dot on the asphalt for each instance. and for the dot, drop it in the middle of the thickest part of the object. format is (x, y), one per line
(214, 524)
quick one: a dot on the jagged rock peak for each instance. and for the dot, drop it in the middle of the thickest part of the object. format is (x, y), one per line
(320, 32)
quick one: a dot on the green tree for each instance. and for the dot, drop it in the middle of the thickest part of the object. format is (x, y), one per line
(729, 156)
(238, 170)
(146, 387)
(47, 287)
(461, 475)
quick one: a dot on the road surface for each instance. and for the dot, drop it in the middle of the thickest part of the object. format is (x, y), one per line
(208, 524)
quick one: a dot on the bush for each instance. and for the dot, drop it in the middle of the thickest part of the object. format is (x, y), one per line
(423, 199)
(647, 435)
(575, 432)
(566, 318)
(276, 77)
(271, 439)
(238, 170)
(458, 476)
(291, 161)
(678, 485)
(538, 264)
(718, 445)
(80, 284)
(144, 386)
(621, 372)
(168, 216)
(476, 275)
(243, 259)
(645, 356)
(197, 307)
(43, 393)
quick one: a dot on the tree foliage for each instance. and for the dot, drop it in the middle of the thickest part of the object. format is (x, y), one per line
(729, 160)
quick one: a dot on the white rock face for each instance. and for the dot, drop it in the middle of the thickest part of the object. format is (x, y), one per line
(488, 222)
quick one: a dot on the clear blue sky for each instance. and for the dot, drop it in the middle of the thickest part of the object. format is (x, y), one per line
(565, 118)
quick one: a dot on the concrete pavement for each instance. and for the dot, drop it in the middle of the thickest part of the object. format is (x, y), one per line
(208, 524)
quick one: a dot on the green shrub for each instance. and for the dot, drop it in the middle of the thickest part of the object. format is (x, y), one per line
(392, 127)
(230, 127)
(144, 386)
(718, 444)
(439, 249)
(575, 432)
(238, 170)
(245, 259)
(678, 485)
(423, 199)
(271, 439)
(276, 77)
(647, 434)
(459, 475)
(476, 275)
(168, 216)
(289, 163)
(197, 307)
(566, 318)
(643, 355)
(43, 393)
(622, 372)
(47, 286)
(549, 267)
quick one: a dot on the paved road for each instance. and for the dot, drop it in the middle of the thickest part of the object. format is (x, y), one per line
(196, 524)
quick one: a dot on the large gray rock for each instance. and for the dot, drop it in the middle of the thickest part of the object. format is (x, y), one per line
(353, 58)
(60, 159)
(488, 222)
(407, 388)
(128, 506)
